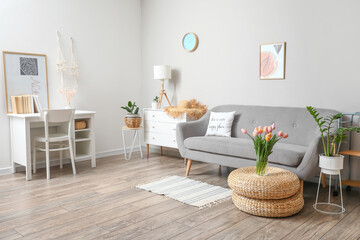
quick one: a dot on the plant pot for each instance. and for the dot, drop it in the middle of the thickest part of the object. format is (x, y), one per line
(154, 105)
(133, 122)
(331, 163)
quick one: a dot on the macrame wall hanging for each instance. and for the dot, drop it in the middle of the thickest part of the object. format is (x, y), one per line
(68, 85)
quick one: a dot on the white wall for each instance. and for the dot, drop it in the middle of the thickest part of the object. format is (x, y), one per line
(107, 39)
(322, 58)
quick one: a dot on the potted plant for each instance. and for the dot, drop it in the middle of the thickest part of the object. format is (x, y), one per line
(263, 145)
(331, 140)
(132, 119)
(155, 102)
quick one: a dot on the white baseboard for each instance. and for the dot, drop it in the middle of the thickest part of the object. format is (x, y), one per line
(167, 151)
(5, 171)
(119, 151)
(56, 162)
(109, 153)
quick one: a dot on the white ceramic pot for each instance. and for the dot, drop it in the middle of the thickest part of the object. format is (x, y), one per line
(331, 163)
(154, 105)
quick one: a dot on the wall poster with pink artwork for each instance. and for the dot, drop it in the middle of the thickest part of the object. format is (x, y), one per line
(272, 61)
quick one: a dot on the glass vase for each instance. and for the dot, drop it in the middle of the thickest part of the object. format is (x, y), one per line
(261, 163)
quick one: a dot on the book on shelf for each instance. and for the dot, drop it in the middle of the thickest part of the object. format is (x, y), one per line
(37, 105)
(25, 104)
(20, 104)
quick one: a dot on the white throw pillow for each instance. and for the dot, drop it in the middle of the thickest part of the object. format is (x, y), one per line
(220, 124)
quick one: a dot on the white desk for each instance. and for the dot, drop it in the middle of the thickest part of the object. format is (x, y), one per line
(21, 126)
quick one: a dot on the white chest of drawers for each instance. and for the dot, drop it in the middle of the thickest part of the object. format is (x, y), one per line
(160, 128)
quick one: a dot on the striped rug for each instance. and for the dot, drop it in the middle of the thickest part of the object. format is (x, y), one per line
(188, 191)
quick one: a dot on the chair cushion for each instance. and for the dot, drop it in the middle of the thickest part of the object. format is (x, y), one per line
(53, 137)
(285, 154)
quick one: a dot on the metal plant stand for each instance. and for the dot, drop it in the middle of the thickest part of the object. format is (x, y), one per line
(328, 203)
(136, 134)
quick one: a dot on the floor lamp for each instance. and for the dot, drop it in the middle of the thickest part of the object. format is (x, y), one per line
(162, 73)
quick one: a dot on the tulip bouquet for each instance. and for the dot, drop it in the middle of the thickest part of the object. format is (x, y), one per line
(263, 144)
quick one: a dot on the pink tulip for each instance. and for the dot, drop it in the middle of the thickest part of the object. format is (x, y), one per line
(269, 129)
(285, 135)
(273, 126)
(256, 132)
(280, 134)
(266, 129)
(243, 131)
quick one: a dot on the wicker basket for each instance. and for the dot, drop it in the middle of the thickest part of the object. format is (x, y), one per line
(133, 122)
(80, 124)
(270, 208)
(277, 184)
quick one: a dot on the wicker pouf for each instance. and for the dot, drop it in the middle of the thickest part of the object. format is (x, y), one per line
(278, 194)
(277, 184)
(268, 207)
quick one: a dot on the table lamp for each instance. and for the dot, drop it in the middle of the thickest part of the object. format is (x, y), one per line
(162, 73)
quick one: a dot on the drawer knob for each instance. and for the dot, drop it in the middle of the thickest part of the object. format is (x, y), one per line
(153, 127)
(174, 141)
(153, 138)
(153, 115)
(174, 129)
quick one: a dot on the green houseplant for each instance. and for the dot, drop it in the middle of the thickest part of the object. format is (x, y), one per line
(331, 139)
(132, 119)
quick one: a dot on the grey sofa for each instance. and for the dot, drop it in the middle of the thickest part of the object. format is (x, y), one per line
(297, 153)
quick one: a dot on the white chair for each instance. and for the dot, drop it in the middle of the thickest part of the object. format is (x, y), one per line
(65, 116)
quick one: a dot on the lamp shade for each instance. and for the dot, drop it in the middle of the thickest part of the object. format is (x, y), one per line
(162, 72)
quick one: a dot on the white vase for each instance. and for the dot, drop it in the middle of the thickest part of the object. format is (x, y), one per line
(335, 163)
(154, 105)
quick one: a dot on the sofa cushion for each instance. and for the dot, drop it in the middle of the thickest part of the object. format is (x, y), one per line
(283, 153)
(220, 124)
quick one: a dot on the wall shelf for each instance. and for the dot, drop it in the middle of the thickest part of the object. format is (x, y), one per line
(351, 153)
(82, 139)
(83, 130)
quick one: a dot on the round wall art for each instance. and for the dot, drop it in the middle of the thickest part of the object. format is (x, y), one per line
(190, 42)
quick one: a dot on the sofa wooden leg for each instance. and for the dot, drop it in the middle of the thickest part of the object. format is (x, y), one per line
(147, 150)
(185, 161)
(301, 187)
(189, 162)
(161, 150)
(323, 180)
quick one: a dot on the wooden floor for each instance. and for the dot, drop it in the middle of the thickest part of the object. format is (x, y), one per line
(102, 203)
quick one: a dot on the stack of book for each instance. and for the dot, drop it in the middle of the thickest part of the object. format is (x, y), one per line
(25, 104)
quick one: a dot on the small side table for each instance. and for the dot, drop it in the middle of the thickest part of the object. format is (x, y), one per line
(136, 134)
(328, 203)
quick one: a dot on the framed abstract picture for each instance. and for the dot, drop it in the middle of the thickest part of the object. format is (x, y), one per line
(272, 61)
(25, 73)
